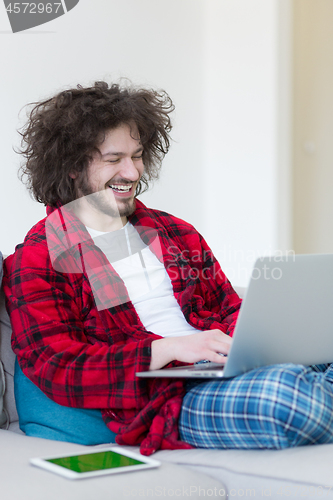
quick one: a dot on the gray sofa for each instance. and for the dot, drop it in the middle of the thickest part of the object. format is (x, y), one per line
(305, 472)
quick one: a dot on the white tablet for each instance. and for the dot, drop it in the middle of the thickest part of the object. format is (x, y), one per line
(95, 463)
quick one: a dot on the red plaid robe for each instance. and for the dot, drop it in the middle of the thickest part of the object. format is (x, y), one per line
(81, 348)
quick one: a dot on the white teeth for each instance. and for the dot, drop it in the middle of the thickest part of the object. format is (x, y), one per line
(120, 187)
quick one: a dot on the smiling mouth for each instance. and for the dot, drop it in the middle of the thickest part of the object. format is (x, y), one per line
(120, 188)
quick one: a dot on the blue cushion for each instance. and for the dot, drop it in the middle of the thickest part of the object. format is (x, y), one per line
(41, 417)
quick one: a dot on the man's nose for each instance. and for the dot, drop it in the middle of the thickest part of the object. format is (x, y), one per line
(129, 170)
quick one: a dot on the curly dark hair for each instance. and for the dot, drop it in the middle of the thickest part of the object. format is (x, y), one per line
(63, 133)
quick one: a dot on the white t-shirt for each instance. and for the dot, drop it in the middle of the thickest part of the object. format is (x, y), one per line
(146, 280)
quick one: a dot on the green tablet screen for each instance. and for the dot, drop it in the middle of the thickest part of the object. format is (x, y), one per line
(102, 460)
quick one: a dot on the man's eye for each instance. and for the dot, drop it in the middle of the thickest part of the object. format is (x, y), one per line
(137, 157)
(113, 161)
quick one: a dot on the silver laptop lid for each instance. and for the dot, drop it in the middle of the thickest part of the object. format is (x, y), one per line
(287, 314)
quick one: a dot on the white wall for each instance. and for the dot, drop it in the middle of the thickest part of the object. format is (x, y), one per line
(244, 58)
(219, 61)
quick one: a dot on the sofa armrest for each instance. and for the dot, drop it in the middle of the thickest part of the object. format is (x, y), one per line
(7, 358)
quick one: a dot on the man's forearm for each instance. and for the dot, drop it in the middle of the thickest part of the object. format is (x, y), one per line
(161, 353)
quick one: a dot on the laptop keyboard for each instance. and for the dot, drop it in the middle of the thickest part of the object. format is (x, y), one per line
(207, 366)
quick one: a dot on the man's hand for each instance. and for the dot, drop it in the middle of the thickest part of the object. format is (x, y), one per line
(190, 348)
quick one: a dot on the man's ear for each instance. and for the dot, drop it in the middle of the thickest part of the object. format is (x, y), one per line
(73, 175)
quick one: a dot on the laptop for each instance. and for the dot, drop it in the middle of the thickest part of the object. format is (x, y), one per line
(286, 317)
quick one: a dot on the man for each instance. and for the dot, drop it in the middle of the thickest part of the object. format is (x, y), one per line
(105, 287)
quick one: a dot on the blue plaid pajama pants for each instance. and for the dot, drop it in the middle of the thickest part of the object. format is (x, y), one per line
(278, 406)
